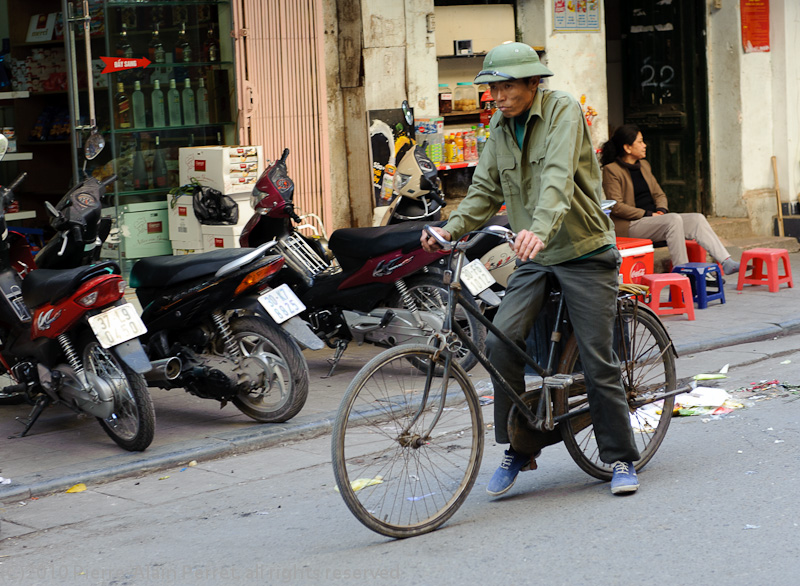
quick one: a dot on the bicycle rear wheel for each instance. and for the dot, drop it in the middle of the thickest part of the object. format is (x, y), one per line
(397, 476)
(647, 362)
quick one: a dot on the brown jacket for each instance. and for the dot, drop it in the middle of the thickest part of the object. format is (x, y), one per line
(618, 185)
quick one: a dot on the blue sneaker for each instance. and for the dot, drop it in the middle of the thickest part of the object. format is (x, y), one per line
(624, 479)
(504, 477)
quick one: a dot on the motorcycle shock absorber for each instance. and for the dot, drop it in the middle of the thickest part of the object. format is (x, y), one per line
(69, 352)
(408, 301)
(224, 329)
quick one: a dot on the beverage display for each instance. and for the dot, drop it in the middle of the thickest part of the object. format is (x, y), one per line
(174, 104)
(157, 105)
(187, 100)
(211, 46)
(159, 166)
(183, 50)
(155, 49)
(140, 180)
(122, 108)
(124, 48)
(137, 101)
(202, 103)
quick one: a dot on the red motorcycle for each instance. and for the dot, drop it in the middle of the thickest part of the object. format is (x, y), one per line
(70, 338)
(371, 285)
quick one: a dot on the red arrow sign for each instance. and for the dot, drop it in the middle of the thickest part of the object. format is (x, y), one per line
(114, 64)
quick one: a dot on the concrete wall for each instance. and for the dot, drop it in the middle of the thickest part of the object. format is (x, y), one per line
(753, 114)
(577, 60)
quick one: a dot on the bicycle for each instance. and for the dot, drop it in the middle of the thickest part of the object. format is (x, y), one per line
(408, 437)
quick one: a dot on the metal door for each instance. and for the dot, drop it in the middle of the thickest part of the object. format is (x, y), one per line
(280, 67)
(664, 77)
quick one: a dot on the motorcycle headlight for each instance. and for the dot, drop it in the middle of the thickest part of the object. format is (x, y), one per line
(400, 181)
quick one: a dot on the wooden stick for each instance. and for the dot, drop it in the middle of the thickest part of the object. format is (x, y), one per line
(778, 195)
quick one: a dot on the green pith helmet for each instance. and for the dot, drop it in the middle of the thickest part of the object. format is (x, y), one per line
(511, 61)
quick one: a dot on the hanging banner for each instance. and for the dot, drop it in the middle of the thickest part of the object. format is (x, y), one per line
(576, 16)
(755, 25)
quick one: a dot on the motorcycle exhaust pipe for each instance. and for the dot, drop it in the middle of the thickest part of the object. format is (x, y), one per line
(164, 369)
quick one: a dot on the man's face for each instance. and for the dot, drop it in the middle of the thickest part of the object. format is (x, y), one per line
(514, 96)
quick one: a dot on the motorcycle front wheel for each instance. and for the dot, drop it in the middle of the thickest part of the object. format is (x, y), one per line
(430, 294)
(132, 425)
(286, 376)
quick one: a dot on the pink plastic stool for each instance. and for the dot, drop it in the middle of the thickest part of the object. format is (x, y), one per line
(680, 290)
(695, 252)
(765, 268)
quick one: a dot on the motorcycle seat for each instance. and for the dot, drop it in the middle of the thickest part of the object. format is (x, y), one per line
(50, 285)
(365, 243)
(163, 271)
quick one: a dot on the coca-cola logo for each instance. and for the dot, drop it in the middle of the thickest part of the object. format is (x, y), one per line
(199, 165)
(638, 270)
(182, 211)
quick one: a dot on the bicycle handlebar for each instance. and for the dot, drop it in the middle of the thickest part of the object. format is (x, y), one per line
(465, 242)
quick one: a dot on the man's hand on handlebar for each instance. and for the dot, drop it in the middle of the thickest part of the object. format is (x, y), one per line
(429, 243)
(527, 245)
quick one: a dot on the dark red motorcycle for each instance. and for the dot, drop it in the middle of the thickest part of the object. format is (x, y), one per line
(69, 337)
(366, 284)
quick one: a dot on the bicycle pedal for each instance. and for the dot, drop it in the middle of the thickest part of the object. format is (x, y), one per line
(559, 381)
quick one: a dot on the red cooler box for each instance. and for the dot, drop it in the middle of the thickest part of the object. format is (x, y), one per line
(637, 259)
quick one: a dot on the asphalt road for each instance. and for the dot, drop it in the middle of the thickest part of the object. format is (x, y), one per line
(717, 505)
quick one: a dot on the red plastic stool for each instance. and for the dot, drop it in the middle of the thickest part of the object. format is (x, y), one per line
(695, 252)
(765, 268)
(680, 294)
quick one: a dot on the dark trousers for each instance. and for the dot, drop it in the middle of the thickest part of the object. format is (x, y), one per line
(590, 290)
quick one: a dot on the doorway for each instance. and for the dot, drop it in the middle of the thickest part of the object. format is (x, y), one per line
(657, 79)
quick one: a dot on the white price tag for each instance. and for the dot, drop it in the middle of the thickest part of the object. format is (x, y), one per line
(117, 325)
(281, 303)
(476, 277)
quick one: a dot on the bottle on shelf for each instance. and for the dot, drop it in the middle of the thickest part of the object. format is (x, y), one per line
(157, 105)
(449, 149)
(202, 103)
(137, 102)
(124, 48)
(159, 166)
(481, 138)
(122, 107)
(155, 49)
(140, 179)
(174, 104)
(183, 50)
(219, 138)
(459, 150)
(187, 100)
(211, 46)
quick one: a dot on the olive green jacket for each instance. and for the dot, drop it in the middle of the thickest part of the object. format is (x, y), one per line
(552, 186)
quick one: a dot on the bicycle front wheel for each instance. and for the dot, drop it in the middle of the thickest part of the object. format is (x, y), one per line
(405, 461)
(647, 363)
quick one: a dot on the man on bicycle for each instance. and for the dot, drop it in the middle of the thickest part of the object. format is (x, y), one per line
(539, 160)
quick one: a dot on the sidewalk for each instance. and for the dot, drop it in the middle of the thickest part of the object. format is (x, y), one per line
(64, 449)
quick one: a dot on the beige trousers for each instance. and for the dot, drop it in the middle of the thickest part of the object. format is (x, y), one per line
(676, 229)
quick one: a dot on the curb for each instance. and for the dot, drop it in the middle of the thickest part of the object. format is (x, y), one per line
(257, 437)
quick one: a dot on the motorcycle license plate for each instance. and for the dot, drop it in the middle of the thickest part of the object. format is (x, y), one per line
(281, 303)
(117, 325)
(476, 277)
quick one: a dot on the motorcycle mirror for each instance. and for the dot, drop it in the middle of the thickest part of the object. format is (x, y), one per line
(51, 208)
(409, 117)
(94, 145)
(3, 145)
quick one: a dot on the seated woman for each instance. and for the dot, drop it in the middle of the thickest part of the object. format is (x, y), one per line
(641, 210)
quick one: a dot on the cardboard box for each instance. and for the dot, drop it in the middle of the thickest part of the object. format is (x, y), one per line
(180, 248)
(229, 169)
(637, 259)
(183, 224)
(142, 230)
(215, 237)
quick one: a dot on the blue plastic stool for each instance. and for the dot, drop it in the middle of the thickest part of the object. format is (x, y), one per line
(697, 271)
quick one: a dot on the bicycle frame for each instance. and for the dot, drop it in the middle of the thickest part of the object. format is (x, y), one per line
(543, 419)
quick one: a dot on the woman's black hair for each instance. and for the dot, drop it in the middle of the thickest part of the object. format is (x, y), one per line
(613, 148)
